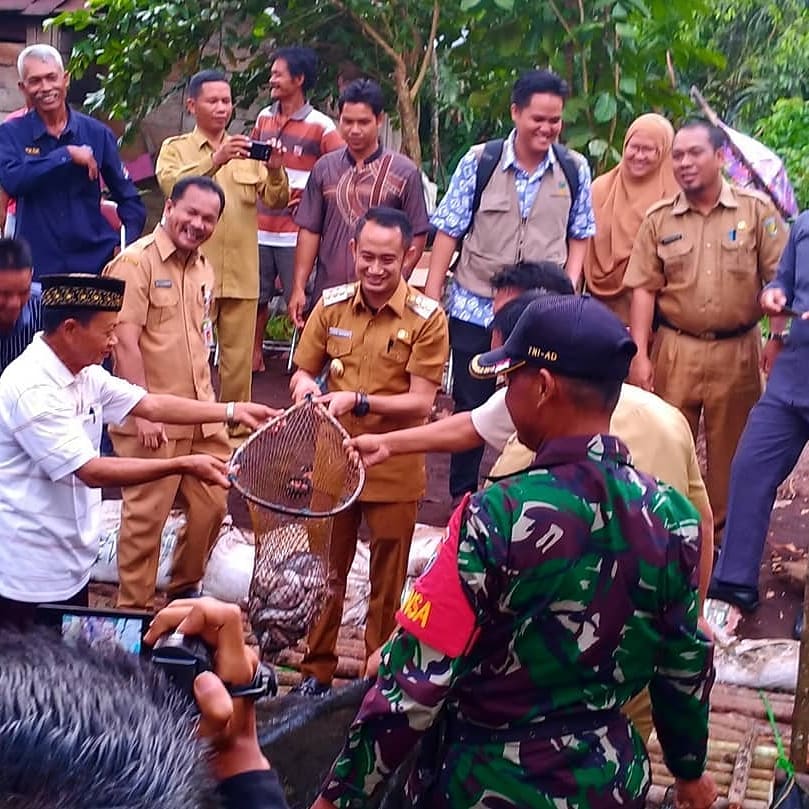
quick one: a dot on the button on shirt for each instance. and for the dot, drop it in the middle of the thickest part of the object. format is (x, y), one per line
(708, 270)
(14, 342)
(165, 295)
(454, 216)
(50, 426)
(233, 248)
(58, 207)
(377, 354)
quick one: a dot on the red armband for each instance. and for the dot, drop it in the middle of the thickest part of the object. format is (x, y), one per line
(436, 610)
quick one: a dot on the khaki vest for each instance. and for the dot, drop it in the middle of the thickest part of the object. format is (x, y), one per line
(499, 236)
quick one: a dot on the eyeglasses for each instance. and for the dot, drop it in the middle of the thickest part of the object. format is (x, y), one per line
(646, 151)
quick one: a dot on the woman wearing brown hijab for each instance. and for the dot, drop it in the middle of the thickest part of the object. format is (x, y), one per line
(621, 198)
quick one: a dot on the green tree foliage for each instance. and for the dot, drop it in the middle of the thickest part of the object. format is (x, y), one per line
(615, 55)
(450, 64)
(785, 132)
(764, 50)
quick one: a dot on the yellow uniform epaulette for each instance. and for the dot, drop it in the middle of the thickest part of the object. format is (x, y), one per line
(337, 294)
(661, 203)
(176, 137)
(133, 252)
(421, 304)
(752, 192)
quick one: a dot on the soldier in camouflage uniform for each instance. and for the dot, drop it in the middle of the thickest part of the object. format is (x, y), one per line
(557, 595)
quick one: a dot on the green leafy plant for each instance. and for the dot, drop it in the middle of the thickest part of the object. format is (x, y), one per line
(785, 130)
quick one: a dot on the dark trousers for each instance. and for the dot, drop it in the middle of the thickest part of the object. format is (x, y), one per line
(466, 340)
(769, 448)
(21, 614)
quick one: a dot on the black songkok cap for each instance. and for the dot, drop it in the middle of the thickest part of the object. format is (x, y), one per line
(82, 291)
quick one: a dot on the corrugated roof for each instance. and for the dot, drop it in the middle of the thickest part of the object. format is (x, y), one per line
(39, 8)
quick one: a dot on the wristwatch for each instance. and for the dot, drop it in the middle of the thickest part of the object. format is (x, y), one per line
(230, 414)
(361, 405)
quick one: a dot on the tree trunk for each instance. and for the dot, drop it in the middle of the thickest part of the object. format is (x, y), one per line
(411, 145)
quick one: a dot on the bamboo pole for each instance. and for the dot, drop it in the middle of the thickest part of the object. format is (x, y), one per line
(800, 714)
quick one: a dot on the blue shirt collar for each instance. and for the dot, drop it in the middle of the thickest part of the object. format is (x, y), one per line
(38, 128)
(509, 160)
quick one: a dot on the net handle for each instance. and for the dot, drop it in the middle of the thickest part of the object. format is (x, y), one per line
(233, 465)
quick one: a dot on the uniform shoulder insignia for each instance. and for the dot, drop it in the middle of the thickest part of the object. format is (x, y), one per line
(760, 196)
(421, 304)
(133, 252)
(660, 204)
(338, 294)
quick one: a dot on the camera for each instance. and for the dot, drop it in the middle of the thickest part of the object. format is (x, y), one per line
(259, 151)
(181, 657)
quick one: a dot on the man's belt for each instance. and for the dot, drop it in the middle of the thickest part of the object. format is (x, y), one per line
(460, 731)
(708, 335)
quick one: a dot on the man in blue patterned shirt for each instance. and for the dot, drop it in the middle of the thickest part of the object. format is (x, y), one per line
(19, 300)
(537, 206)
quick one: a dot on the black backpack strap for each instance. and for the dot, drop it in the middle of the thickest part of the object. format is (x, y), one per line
(487, 163)
(570, 168)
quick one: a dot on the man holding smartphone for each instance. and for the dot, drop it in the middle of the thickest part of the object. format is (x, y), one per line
(233, 249)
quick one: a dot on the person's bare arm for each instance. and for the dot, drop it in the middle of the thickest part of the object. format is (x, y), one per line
(453, 434)
(129, 366)
(440, 258)
(414, 254)
(170, 409)
(305, 256)
(100, 472)
(576, 252)
(641, 313)
(706, 551)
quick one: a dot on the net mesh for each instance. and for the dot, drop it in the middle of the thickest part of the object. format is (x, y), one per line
(295, 475)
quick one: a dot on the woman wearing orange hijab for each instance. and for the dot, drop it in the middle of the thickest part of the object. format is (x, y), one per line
(621, 198)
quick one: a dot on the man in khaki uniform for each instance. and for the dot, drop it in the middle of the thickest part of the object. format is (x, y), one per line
(161, 347)
(699, 263)
(386, 346)
(233, 249)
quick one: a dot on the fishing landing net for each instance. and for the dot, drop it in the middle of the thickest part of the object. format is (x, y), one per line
(295, 475)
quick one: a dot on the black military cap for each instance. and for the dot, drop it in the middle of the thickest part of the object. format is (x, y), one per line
(570, 335)
(82, 291)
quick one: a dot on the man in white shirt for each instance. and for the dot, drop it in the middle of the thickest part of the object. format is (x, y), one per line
(54, 399)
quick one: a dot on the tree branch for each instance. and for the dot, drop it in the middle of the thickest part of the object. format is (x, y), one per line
(428, 53)
(559, 16)
(369, 31)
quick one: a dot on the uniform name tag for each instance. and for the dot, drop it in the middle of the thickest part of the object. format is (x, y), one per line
(671, 239)
(335, 332)
(163, 283)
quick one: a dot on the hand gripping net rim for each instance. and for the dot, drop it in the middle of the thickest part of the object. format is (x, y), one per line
(270, 427)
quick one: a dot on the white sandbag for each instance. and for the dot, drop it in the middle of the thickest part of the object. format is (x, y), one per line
(230, 566)
(358, 587)
(768, 663)
(105, 567)
(426, 539)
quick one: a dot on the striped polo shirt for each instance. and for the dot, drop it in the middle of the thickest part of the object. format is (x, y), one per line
(14, 342)
(307, 135)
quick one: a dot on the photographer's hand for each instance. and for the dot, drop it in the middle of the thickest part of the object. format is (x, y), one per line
(228, 723)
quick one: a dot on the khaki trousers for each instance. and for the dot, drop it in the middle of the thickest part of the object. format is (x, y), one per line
(719, 379)
(391, 528)
(235, 320)
(144, 513)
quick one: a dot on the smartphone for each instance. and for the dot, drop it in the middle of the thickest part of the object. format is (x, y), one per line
(259, 151)
(124, 629)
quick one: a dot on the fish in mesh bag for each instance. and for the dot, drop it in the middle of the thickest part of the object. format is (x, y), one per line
(295, 475)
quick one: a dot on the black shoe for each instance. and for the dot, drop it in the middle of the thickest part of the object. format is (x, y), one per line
(745, 598)
(797, 629)
(311, 687)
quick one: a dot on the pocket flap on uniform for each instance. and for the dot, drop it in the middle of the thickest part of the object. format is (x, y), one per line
(337, 345)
